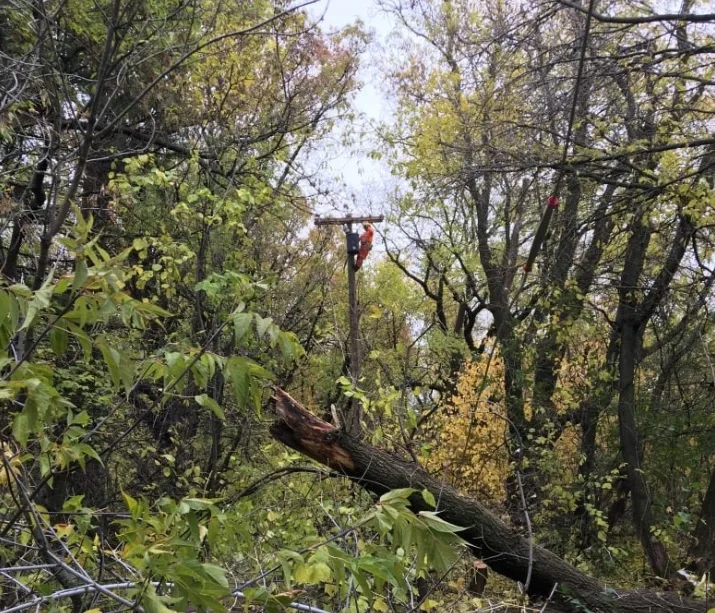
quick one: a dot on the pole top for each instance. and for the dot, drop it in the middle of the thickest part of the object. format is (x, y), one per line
(348, 219)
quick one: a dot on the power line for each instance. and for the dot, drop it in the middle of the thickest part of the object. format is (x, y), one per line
(553, 200)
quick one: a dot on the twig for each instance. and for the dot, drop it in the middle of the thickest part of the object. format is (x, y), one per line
(105, 589)
(20, 584)
(62, 567)
(277, 474)
(551, 595)
(437, 583)
(529, 531)
(20, 569)
(42, 335)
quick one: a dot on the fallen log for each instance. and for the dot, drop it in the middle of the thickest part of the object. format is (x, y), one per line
(504, 550)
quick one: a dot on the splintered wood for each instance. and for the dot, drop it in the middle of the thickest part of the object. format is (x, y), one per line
(305, 432)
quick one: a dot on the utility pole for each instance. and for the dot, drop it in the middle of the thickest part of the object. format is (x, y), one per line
(352, 420)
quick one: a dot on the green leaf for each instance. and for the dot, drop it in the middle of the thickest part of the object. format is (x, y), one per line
(216, 573)
(237, 374)
(379, 568)
(39, 302)
(302, 574)
(20, 289)
(4, 306)
(442, 554)
(247, 379)
(361, 579)
(121, 368)
(290, 346)
(338, 559)
(403, 493)
(80, 274)
(151, 602)
(21, 428)
(428, 497)
(209, 403)
(241, 325)
(149, 308)
(89, 451)
(262, 325)
(44, 465)
(132, 504)
(111, 359)
(403, 533)
(58, 340)
(139, 243)
(84, 341)
(436, 523)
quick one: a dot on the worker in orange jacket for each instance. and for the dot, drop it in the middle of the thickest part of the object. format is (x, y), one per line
(365, 245)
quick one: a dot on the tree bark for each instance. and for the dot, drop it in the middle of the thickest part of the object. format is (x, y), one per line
(703, 550)
(490, 539)
(630, 447)
(22, 217)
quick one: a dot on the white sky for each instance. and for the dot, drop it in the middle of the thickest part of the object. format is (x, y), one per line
(340, 13)
(362, 177)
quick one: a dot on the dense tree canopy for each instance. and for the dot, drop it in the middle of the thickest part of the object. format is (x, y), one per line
(537, 375)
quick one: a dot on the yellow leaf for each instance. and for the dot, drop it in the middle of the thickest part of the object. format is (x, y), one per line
(12, 460)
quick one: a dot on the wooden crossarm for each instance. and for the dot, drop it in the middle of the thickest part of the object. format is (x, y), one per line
(339, 221)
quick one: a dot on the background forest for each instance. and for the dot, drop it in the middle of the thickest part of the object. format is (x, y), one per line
(163, 286)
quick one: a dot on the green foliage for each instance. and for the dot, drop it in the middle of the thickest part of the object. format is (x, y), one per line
(164, 542)
(408, 545)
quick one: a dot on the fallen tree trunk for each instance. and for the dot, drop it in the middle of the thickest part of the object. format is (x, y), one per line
(505, 551)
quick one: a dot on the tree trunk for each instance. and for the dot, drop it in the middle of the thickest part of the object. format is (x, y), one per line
(505, 551)
(22, 217)
(630, 448)
(703, 551)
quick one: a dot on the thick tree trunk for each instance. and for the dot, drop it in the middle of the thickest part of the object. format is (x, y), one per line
(9, 266)
(589, 426)
(703, 551)
(631, 318)
(505, 551)
(551, 348)
(630, 448)
(22, 217)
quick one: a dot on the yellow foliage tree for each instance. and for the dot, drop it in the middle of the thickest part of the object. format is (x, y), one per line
(469, 435)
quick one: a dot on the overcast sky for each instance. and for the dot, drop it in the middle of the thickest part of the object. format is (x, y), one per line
(340, 13)
(360, 174)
